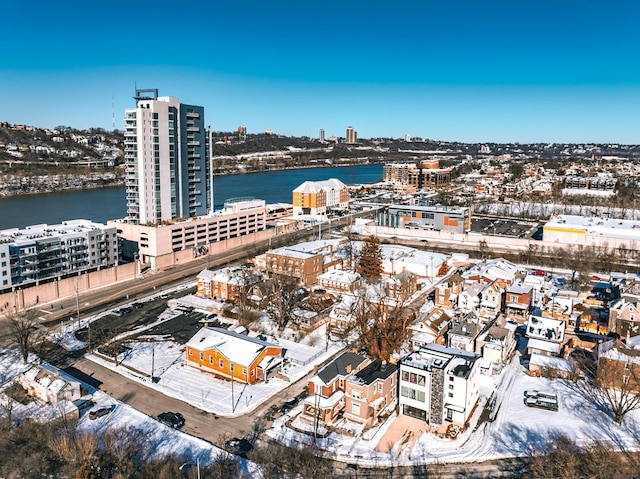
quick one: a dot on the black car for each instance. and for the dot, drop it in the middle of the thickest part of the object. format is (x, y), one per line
(241, 447)
(96, 413)
(289, 405)
(171, 419)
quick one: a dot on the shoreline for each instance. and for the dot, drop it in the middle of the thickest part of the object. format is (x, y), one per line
(120, 183)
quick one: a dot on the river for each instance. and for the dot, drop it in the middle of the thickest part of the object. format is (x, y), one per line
(102, 204)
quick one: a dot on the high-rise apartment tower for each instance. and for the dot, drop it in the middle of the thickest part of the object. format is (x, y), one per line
(352, 136)
(167, 160)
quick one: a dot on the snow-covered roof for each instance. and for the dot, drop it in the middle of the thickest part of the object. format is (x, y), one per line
(543, 345)
(237, 348)
(611, 227)
(550, 362)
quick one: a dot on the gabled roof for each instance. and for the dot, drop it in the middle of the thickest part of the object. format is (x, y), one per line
(341, 366)
(237, 348)
(374, 371)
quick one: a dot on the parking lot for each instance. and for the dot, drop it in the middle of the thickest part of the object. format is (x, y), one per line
(502, 227)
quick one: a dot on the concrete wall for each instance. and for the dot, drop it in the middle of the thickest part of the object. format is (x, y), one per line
(66, 288)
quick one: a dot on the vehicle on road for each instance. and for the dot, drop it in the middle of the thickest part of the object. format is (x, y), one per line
(288, 405)
(171, 419)
(97, 413)
(240, 447)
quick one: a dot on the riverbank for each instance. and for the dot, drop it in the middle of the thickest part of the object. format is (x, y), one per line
(15, 185)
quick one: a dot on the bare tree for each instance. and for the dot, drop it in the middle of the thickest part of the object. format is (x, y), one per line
(382, 324)
(617, 381)
(23, 331)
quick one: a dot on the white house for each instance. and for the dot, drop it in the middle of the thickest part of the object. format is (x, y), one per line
(439, 384)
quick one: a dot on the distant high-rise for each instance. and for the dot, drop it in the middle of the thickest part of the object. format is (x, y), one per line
(321, 135)
(352, 136)
(167, 160)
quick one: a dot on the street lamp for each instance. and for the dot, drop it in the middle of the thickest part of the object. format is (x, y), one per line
(191, 463)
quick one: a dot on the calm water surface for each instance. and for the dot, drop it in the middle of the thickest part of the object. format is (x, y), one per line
(104, 204)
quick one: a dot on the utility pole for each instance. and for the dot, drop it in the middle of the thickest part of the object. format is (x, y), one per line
(153, 359)
(77, 306)
(233, 403)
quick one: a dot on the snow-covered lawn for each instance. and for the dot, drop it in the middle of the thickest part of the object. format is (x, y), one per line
(203, 390)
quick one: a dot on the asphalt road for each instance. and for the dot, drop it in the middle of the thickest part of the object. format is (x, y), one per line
(201, 424)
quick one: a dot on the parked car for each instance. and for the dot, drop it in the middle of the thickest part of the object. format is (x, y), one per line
(97, 413)
(241, 447)
(289, 405)
(542, 403)
(538, 272)
(171, 419)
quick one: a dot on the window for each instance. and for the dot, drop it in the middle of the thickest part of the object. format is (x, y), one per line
(450, 386)
(210, 359)
(190, 352)
(201, 356)
(355, 408)
(244, 371)
(450, 395)
(221, 363)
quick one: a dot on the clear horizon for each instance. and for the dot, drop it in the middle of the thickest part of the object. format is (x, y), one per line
(496, 72)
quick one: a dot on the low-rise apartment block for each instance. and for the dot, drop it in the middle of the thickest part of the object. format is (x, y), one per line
(439, 384)
(46, 251)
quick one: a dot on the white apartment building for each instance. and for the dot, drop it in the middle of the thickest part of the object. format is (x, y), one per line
(439, 384)
(43, 251)
(167, 160)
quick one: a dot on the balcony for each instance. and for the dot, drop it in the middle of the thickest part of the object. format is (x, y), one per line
(193, 115)
(193, 143)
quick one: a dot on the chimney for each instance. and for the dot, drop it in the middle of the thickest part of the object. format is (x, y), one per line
(348, 368)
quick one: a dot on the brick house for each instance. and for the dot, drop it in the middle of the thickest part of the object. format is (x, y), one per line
(448, 290)
(518, 299)
(227, 284)
(340, 281)
(401, 286)
(303, 266)
(619, 366)
(371, 392)
(624, 316)
(327, 388)
(231, 355)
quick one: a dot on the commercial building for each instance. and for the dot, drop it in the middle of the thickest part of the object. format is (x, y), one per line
(441, 218)
(167, 160)
(317, 198)
(240, 216)
(592, 231)
(44, 251)
(439, 384)
(422, 174)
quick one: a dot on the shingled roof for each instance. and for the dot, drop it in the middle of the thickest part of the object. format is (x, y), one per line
(343, 365)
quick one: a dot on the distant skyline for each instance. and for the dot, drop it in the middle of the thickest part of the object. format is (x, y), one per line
(562, 71)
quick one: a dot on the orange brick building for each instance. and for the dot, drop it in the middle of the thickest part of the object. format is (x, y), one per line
(319, 197)
(232, 355)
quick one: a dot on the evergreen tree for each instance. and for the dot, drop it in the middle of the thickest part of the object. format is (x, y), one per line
(370, 259)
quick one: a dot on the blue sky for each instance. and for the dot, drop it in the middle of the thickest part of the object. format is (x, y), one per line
(458, 70)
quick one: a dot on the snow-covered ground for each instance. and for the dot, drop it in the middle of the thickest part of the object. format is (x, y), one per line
(515, 430)
(512, 429)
